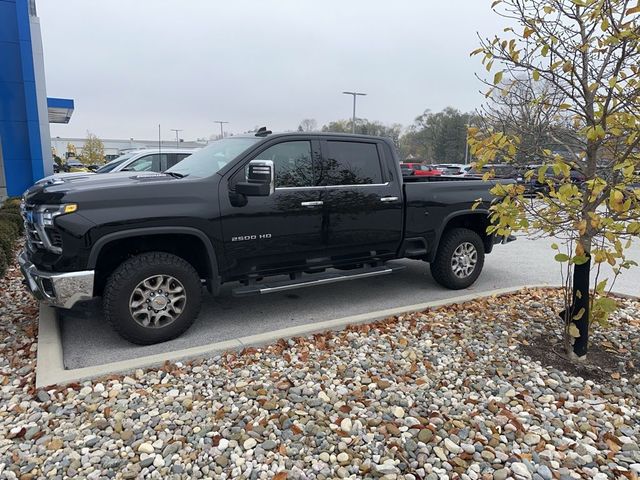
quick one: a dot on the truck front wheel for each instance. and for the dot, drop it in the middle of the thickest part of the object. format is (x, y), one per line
(459, 259)
(152, 297)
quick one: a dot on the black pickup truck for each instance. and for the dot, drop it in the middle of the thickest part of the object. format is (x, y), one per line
(270, 212)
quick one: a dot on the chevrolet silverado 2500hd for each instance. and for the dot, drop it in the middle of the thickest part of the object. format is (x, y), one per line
(270, 212)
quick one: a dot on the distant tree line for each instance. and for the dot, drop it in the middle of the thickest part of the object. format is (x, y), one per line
(441, 137)
(432, 138)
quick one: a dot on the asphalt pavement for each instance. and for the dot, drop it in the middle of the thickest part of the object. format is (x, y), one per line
(88, 340)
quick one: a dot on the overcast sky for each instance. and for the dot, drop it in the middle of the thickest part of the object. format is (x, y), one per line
(131, 65)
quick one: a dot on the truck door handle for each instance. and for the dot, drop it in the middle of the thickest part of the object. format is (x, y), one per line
(312, 204)
(389, 199)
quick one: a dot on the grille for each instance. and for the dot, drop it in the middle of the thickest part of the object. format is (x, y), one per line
(33, 237)
(35, 240)
(54, 237)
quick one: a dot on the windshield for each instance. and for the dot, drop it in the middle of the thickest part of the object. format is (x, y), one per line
(114, 163)
(213, 157)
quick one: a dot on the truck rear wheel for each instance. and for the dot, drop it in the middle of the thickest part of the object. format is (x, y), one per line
(152, 298)
(459, 259)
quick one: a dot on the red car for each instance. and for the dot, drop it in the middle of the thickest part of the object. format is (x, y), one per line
(425, 170)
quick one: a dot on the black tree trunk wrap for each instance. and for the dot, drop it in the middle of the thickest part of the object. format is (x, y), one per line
(580, 301)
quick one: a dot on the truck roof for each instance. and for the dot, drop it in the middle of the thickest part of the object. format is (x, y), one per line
(312, 134)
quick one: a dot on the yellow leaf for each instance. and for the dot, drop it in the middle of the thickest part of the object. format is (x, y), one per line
(573, 331)
(497, 78)
(604, 26)
(536, 75)
(618, 195)
(527, 32)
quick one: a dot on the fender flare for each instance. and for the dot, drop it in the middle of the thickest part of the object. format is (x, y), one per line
(447, 219)
(138, 232)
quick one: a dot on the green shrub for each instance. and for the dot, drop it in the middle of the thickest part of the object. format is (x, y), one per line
(8, 235)
(13, 218)
(8, 229)
(11, 210)
(11, 203)
(3, 263)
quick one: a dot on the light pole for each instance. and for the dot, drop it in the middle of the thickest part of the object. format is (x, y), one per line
(221, 122)
(177, 137)
(466, 143)
(353, 122)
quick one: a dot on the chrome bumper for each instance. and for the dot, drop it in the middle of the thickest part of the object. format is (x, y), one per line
(59, 289)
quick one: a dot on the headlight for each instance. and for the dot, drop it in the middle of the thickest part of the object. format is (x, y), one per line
(47, 213)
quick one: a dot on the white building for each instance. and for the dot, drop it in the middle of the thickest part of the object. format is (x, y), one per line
(115, 147)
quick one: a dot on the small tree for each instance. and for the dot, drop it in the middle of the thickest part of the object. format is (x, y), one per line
(589, 52)
(93, 150)
(308, 125)
(529, 110)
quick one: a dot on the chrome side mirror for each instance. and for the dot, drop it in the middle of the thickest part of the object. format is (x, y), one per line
(260, 180)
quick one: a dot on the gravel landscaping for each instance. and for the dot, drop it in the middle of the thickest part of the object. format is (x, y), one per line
(449, 393)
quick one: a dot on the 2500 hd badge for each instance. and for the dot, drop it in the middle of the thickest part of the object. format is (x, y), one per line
(244, 238)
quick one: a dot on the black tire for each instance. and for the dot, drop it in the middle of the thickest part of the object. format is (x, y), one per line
(442, 269)
(123, 281)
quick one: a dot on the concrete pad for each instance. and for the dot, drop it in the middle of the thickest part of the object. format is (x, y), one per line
(88, 341)
(50, 368)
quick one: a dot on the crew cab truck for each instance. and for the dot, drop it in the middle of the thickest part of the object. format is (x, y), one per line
(270, 212)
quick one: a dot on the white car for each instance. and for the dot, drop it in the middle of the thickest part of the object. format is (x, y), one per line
(454, 169)
(147, 160)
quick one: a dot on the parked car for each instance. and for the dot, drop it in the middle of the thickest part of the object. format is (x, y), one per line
(406, 170)
(500, 171)
(73, 165)
(454, 169)
(147, 160)
(422, 170)
(533, 186)
(268, 212)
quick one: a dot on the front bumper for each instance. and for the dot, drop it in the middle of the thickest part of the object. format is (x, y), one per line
(59, 289)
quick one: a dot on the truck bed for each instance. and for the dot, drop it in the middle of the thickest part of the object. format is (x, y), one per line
(431, 201)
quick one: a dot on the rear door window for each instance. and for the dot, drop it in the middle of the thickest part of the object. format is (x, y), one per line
(350, 163)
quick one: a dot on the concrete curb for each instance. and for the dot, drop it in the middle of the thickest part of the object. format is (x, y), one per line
(50, 366)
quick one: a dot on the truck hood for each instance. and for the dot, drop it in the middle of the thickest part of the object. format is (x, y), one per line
(73, 188)
(58, 177)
